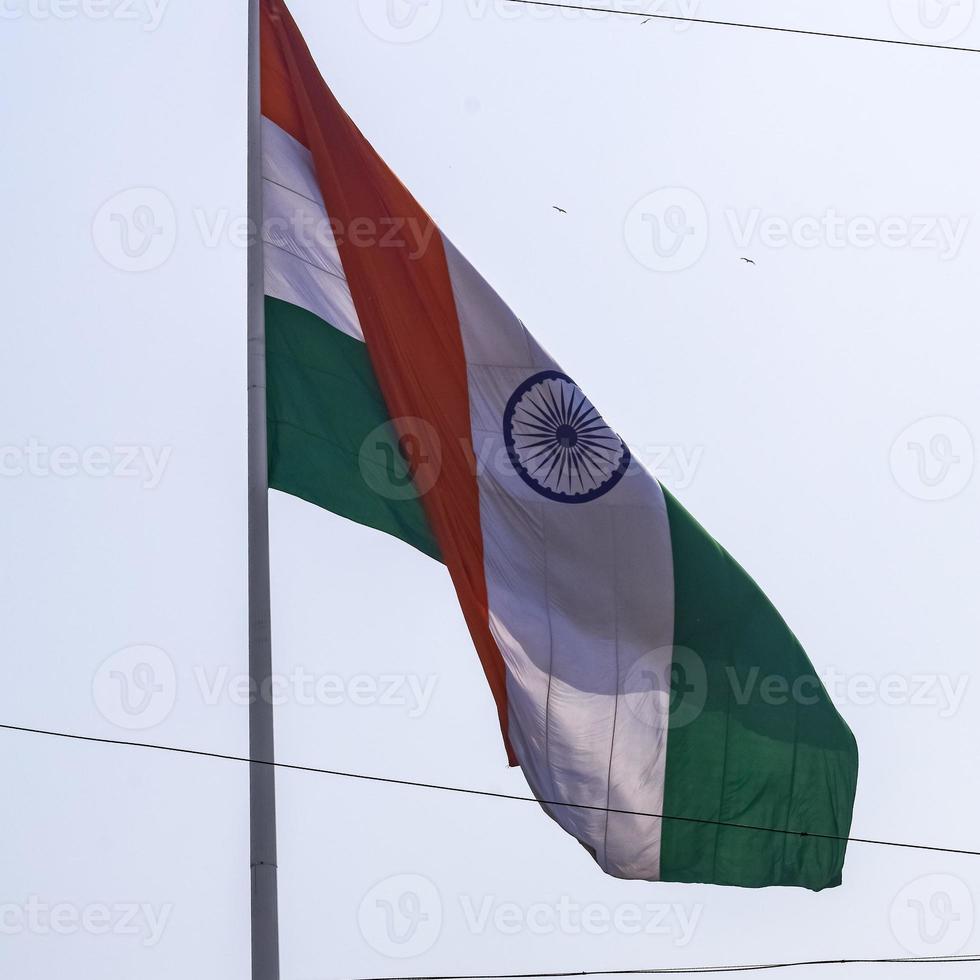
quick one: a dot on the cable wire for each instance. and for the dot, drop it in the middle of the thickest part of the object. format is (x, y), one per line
(652, 971)
(489, 794)
(751, 27)
(663, 971)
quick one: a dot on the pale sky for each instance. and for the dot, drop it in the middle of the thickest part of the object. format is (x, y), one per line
(816, 411)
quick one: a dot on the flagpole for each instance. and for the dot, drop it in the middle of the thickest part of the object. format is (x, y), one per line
(262, 775)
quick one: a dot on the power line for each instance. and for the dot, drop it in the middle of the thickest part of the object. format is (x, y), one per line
(750, 27)
(653, 971)
(664, 971)
(489, 794)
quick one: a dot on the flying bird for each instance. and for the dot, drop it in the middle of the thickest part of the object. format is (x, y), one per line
(749, 261)
(558, 209)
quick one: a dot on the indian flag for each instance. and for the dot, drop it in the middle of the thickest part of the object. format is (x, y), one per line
(619, 640)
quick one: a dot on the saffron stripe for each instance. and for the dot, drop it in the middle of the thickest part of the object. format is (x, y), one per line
(411, 327)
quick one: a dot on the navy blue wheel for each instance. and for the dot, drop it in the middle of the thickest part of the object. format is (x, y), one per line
(558, 443)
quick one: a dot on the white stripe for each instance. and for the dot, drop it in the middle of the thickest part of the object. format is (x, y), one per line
(581, 602)
(302, 263)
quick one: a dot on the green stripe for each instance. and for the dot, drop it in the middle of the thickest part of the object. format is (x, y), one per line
(741, 747)
(323, 405)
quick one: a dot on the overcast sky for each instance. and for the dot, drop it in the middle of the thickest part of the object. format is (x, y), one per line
(817, 411)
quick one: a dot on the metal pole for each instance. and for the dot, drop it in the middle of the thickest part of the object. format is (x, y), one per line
(262, 776)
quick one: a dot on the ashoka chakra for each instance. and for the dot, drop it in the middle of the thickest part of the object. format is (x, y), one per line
(558, 443)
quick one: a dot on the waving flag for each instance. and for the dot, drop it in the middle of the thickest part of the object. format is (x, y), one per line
(621, 643)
